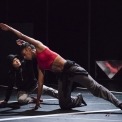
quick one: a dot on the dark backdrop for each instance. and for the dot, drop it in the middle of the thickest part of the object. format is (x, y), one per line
(81, 30)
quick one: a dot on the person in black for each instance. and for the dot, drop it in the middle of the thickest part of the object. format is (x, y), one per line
(21, 74)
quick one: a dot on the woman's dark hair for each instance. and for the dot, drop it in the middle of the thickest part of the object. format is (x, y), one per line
(26, 44)
(10, 59)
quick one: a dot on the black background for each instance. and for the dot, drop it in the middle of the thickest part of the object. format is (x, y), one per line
(80, 30)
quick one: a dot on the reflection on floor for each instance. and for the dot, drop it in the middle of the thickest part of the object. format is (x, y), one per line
(97, 110)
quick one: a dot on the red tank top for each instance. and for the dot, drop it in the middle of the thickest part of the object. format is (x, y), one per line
(46, 58)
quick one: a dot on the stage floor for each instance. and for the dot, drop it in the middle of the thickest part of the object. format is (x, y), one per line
(97, 110)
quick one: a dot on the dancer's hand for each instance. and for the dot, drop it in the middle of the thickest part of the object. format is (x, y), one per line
(3, 103)
(20, 42)
(4, 27)
(37, 105)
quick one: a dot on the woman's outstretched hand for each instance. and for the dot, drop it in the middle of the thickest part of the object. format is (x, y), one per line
(20, 42)
(4, 27)
(3, 103)
(37, 105)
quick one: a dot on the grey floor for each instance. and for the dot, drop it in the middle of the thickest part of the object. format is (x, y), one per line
(97, 110)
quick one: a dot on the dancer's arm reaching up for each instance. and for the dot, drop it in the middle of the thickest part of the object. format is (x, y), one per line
(38, 45)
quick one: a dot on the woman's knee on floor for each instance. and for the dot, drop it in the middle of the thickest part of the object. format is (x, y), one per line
(65, 103)
(23, 99)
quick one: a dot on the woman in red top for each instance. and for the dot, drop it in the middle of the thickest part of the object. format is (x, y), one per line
(69, 72)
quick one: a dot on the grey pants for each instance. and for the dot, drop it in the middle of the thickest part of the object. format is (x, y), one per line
(24, 97)
(74, 73)
(50, 91)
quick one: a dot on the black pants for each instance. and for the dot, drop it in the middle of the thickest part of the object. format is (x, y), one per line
(72, 72)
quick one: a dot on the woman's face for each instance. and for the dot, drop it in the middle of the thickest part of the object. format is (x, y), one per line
(27, 53)
(16, 63)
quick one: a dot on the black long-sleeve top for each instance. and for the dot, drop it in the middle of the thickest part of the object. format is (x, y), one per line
(23, 78)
